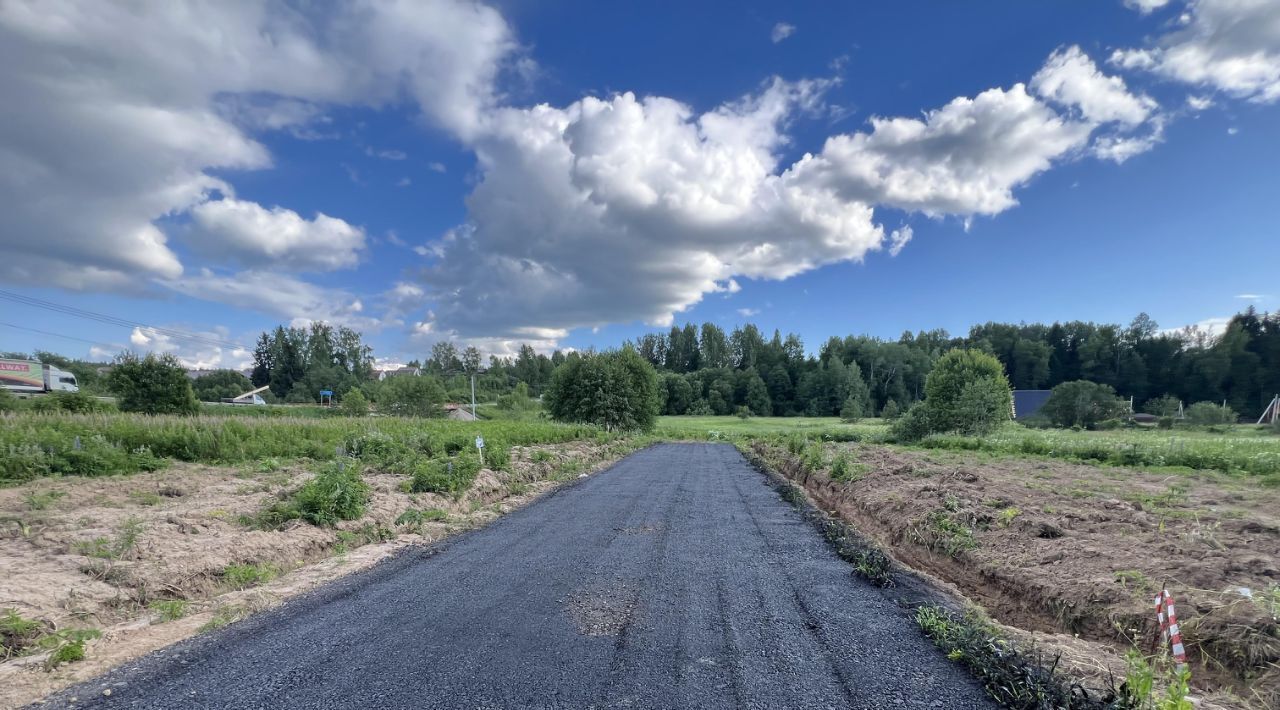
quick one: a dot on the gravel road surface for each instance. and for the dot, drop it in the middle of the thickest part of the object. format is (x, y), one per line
(677, 578)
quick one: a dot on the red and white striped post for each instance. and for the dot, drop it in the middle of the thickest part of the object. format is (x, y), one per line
(1169, 633)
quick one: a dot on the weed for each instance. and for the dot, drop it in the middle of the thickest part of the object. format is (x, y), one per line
(17, 633)
(446, 476)
(844, 470)
(1007, 515)
(1013, 679)
(1144, 676)
(336, 493)
(225, 615)
(248, 575)
(413, 519)
(40, 500)
(125, 541)
(346, 540)
(1135, 579)
(541, 456)
(942, 532)
(147, 498)
(170, 609)
(68, 646)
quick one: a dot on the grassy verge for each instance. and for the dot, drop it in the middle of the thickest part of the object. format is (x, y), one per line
(37, 445)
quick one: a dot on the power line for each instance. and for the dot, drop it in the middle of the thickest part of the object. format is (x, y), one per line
(58, 335)
(113, 320)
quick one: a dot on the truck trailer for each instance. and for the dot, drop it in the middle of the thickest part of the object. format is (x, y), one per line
(31, 377)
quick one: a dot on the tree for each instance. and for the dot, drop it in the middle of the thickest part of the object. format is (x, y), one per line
(851, 411)
(263, 361)
(155, 384)
(471, 360)
(354, 404)
(1082, 403)
(890, 410)
(218, 384)
(409, 396)
(617, 390)
(756, 395)
(966, 392)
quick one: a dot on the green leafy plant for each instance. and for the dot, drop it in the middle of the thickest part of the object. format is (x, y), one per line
(337, 492)
(40, 500)
(170, 609)
(17, 633)
(243, 576)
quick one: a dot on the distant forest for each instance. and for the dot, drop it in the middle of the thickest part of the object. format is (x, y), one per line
(708, 371)
(705, 370)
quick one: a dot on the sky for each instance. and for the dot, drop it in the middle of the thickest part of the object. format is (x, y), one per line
(180, 176)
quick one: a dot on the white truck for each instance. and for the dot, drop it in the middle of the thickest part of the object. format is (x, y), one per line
(26, 377)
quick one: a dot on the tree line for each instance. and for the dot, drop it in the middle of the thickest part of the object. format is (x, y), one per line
(706, 370)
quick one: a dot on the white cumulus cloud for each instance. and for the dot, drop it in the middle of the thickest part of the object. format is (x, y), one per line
(275, 238)
(781, 31)
(1232, 46)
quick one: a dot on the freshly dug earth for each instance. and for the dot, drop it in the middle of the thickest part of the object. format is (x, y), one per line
(110, 553)
(1075, 554)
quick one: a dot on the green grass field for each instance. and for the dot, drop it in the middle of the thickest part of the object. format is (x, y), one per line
(719, 427)
(33, 445)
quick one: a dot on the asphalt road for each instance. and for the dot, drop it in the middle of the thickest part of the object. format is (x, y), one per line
(678, 578)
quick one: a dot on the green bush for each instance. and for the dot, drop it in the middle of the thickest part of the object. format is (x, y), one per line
(446, 476)
(1209, 413)
(914, 425)
(1165, 422)
(1162, 406)
(966, 392)
(851, 411)
(354, 404)
(8, 403)
(152, 385)
(616, 390)
(1083, 404)
(891, 410)
(74, 402)
(336, 493)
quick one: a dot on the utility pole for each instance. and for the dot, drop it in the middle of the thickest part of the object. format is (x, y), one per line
(473, 396)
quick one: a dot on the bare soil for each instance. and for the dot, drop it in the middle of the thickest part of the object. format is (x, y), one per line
(101, 553)
(1070, 556)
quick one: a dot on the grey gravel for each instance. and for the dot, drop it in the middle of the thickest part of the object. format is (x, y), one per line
(677, 578)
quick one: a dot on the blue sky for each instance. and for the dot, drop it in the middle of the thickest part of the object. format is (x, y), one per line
(572, 174)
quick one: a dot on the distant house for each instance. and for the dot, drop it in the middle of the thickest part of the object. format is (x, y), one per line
(1027, 402)
(459, 412)
(399, 372)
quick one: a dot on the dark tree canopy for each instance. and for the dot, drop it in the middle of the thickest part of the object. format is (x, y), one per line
(617, 390)
(155, 384)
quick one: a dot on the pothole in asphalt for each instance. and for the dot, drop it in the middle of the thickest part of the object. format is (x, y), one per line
(602, 611)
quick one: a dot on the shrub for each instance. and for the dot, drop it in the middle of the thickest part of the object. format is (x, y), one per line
(1208, 413)
(152, 385)
(8, 403)
(1082, 403)
(354, 404)
(1164, 423)
(74, 402)
(851, 411)
(912, 426)
(446, 476)
(336, 493)
(891, 410)
(951, 409)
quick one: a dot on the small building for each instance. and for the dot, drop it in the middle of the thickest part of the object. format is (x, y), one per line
(399, 372)
(1027, 402)
(459, 412)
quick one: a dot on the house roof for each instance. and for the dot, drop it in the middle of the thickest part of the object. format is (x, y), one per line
(1028, 402)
